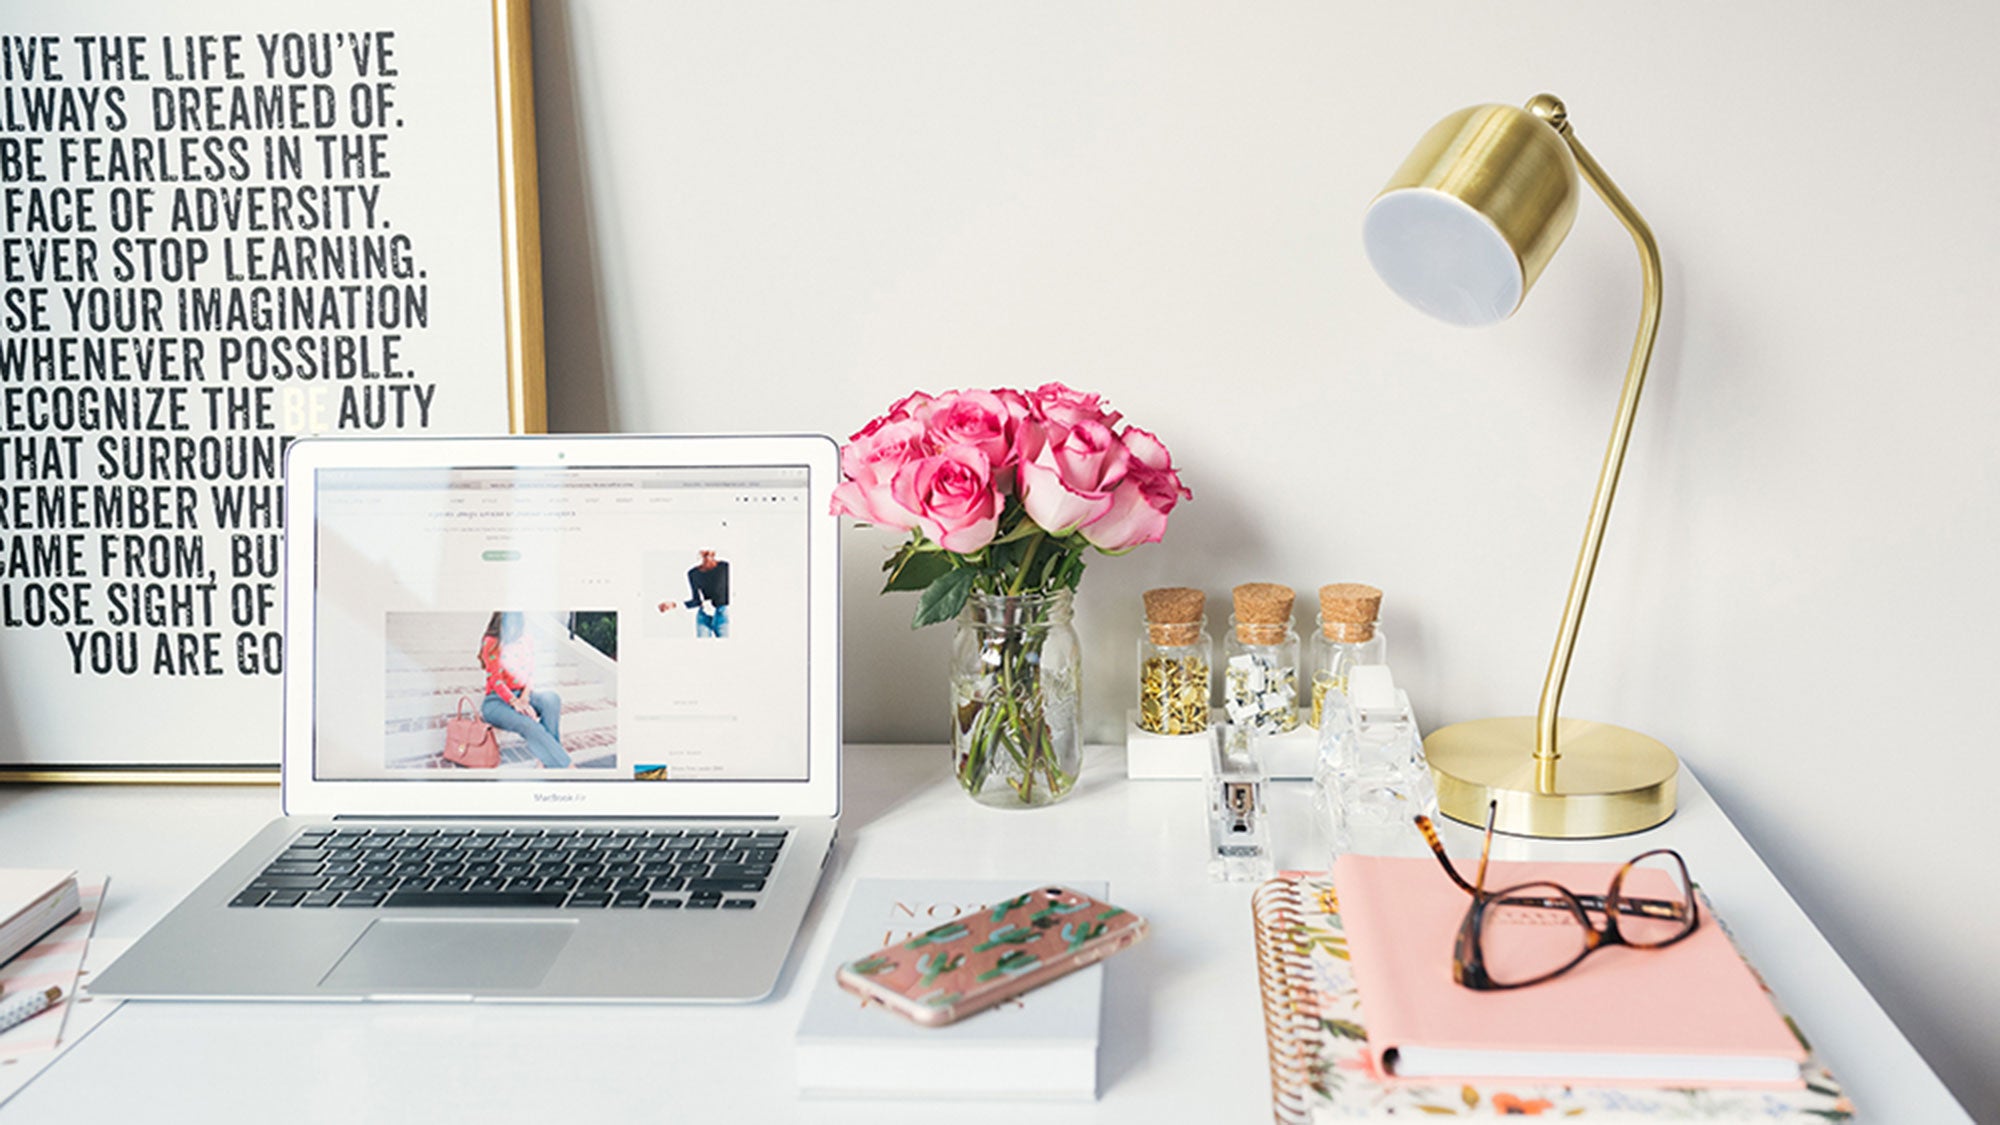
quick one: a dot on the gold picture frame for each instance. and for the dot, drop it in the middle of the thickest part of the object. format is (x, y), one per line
(362, 136)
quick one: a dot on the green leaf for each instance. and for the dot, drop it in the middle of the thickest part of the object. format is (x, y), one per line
(912, 569)
(1072, 572)
(943, 598)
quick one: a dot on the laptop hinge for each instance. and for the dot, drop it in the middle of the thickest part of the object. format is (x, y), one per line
(470, 818)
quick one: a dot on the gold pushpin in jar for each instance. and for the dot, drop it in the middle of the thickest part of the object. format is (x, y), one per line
(1174, 654)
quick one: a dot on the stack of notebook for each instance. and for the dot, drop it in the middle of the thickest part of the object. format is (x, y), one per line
(33, 902)
(1042, 1045)
(1365, 1022)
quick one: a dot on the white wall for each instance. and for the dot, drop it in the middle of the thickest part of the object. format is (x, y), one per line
(785, 215)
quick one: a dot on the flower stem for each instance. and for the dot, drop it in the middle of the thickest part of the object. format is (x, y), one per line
(1005, 726)
(1027, 561)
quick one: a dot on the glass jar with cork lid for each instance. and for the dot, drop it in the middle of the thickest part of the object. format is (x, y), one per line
(1347, 636)
(1260, 674)
(1174, 654)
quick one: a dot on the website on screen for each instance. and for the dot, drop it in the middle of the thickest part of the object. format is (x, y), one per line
(628, 624)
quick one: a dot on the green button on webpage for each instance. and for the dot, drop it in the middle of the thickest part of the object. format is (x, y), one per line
(502, 556)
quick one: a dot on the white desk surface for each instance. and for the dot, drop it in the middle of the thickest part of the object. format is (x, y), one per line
(1183, 1038)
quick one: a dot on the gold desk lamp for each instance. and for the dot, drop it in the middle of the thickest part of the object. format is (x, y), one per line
(1462, 231)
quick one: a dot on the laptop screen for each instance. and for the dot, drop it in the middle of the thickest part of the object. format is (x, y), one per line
(639, 625)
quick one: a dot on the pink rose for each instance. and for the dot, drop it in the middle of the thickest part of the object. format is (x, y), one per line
(1069, 481)
(1018, 407)
(870, 461)
(981, 420)
(916, 405)
(1140, 503)
(1064, 408)
(953, 496)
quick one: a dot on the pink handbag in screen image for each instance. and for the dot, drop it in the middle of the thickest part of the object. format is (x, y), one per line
(470, 741)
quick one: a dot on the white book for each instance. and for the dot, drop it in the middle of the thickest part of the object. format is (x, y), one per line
(1041, 1046)
(32, 903)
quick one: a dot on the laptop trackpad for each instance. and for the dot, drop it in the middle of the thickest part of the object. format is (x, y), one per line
(454, 955)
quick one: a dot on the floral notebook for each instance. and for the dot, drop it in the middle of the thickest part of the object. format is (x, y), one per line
(1320, 1068)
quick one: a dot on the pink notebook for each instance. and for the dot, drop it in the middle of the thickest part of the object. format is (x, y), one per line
(1690, 1014)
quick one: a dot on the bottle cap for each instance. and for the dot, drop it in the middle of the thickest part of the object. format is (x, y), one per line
(1347, 611)
(1173, 614)
(1263, 612)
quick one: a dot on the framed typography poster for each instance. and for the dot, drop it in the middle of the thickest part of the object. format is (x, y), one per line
(226, 225)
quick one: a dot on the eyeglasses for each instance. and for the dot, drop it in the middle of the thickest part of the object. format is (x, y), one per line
(1504, 942)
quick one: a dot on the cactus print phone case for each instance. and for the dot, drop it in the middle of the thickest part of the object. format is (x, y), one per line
(976, 960)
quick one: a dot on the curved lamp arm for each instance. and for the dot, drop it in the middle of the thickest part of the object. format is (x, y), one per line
(1551, 110)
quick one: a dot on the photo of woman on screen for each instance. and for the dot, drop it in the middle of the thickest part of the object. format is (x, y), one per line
(708, 596)
(512, 703)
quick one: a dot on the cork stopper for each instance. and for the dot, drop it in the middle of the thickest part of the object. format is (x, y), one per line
(1173, 614)
(1263, 612)
(1347, 611)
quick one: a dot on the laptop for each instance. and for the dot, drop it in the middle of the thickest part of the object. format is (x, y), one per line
(561, 723)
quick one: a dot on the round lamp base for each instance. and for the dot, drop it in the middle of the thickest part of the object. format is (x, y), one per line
(1606, 781)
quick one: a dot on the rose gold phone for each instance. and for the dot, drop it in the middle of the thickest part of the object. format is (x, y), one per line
(976, 960)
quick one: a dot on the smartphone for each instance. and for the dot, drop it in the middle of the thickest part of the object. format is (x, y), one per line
(996, 953)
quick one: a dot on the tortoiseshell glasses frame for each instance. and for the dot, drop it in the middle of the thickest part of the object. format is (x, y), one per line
(1468, 959)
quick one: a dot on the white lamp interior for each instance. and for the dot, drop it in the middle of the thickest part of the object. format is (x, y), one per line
(1442, 256)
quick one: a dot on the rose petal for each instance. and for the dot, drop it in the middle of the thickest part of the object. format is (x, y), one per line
(1134, 516)
(1052, 504)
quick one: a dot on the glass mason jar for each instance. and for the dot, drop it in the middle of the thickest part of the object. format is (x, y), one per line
(1016, 698)
(1174, 677)
(1260, 678)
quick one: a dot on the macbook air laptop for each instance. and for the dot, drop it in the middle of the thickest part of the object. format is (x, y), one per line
(561, 723)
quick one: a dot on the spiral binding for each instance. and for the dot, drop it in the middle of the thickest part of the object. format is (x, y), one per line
(1291, 1006)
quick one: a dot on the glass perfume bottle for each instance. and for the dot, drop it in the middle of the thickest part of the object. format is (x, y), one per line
(1347, 636)
(1372, 778)
(1261, 660)
(1174, 654)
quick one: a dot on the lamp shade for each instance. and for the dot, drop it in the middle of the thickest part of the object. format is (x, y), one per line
(1466, 225)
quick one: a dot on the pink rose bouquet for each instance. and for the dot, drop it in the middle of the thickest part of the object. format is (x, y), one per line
(1004, 491)
(1004, 494)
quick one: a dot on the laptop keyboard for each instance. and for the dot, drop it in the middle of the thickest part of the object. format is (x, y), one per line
(550, 868)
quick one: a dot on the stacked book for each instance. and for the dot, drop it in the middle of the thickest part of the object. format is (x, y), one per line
(1039, 1046)
(1365, 1022)
(33, 902)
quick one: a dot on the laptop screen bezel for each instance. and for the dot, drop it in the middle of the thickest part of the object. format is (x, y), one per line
(817, 795)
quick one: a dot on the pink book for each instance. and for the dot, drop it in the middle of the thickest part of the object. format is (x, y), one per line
(1690, 1014)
